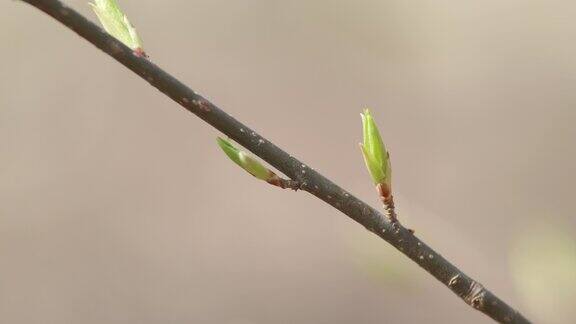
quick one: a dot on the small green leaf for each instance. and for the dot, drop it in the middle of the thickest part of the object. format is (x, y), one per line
(374, 152)
(245, 161)
(116, 23)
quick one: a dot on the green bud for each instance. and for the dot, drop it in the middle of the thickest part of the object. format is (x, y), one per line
(375, 155)
(116, 23)
(245, 161)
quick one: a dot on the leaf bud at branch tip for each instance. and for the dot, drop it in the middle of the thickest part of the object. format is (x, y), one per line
(375, 155)
(377, 162)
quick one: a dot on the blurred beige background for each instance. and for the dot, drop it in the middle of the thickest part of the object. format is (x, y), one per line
(117, 206)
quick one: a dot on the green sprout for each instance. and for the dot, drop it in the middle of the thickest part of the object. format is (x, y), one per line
(375, 155)
(116, 23)
(245, 161)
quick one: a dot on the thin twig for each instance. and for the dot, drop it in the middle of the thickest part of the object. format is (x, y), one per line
(473, 293)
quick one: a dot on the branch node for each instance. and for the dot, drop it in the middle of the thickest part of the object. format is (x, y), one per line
(475, 296)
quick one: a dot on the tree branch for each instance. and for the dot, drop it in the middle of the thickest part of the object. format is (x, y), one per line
(473, 293)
